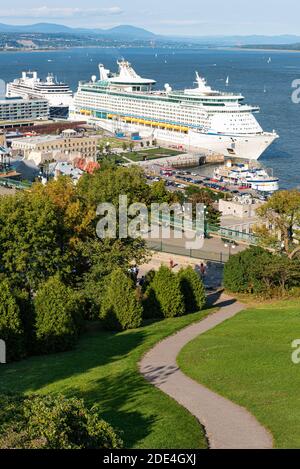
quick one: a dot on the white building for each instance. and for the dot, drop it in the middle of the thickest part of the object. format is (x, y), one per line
(239, 207)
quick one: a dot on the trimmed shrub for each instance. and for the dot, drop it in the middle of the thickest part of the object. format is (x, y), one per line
(120, 308)
(11, 327)
(166, 290)
(258, 271)
(240, 272)
(57, 317)
(53, 422)
(192, 289)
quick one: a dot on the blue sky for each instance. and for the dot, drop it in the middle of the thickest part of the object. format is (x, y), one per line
(180, 17)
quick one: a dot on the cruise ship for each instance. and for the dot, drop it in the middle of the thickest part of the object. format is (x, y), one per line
(58, 95)
(197, 118)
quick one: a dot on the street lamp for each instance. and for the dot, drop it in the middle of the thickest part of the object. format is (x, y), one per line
(230, 245)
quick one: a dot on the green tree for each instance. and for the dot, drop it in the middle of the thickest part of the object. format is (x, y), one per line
(58, 316)
(11, 327)
(29, 250)
(193, 290)
(213, 217)
(282, 212)
(260, 272)
(103, 257)
(241, 270)
(109, 184)
(166, 290)
(159, 193)
(42, 232)
(207, 198)
(120, 307)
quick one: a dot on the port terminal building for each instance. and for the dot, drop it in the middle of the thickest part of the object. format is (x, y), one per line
(14, 111)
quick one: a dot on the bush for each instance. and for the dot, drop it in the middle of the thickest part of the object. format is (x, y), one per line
(120, 308)
(53, 422)
(165, 290)
(259, 271)
(192, 289)
(11, 328)
(58, 317)
(239, 270)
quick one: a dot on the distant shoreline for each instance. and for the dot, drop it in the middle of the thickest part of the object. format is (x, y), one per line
(227, 48)
(255, 49)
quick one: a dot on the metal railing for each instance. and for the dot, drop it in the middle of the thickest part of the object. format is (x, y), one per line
(222, 232)
(12, 183)
(164, 247)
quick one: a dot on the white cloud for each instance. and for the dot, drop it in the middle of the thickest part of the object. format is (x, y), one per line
(49, 12)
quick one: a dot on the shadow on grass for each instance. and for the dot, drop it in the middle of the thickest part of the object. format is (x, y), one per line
(126, 388)
(116, 388)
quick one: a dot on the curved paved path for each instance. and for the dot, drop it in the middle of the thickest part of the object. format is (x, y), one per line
(227, 424)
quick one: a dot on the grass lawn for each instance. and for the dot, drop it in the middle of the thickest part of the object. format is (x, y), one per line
(103, 369)
(113, 141)
(151, 154)
(248, 360)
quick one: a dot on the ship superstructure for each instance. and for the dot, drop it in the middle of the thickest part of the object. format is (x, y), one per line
(58, 94)
(196, 118)
(255, 177)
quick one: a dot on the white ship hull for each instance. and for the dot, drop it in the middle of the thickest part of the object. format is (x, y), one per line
(249, 147)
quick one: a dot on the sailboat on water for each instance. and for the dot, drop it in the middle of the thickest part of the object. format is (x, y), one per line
(227, 81)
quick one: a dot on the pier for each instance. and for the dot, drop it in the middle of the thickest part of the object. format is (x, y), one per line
(187, 160)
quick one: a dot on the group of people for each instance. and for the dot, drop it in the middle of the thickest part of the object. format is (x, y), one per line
(199, 268)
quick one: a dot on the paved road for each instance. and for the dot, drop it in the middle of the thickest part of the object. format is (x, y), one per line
(228, 426)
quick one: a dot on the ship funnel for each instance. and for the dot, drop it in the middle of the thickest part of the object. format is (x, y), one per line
(103, 72)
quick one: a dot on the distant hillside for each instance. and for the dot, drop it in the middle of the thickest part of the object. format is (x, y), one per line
(47, 28)
(129, 32)
(133, 33)
(124, 32)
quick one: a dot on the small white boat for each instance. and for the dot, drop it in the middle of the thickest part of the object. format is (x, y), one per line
(269, 60)
(243, 175)
(227, 81)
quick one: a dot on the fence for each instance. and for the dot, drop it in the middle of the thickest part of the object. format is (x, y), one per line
(161, 246)
(222, 232)
(12, 183)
